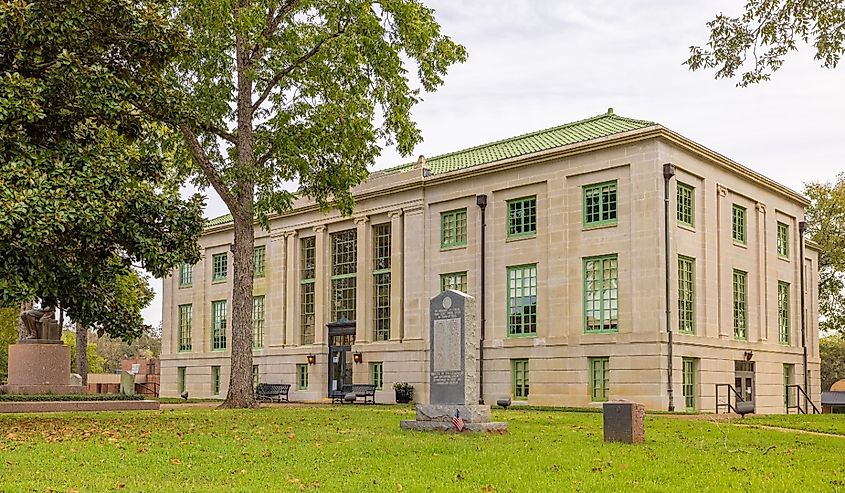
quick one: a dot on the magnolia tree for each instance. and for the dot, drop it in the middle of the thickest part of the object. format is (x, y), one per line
(296, 90)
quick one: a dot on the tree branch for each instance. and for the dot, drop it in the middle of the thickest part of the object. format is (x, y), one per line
(274, 18)
(208, 168)
(223, 134)
(274, 81)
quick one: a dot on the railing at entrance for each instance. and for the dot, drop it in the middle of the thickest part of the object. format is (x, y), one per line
(795, 404)
(739, 405)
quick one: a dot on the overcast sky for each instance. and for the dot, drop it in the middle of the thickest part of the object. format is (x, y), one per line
(538, 64)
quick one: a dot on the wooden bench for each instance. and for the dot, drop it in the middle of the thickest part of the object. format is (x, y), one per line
(272, 392)
(365, 390)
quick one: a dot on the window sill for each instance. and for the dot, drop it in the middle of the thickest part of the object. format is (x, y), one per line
(527, 236)
(446, 248)
(522, 336)
(590, 227)
(785, 259)
(219, 281)
(687, 227)
(185, 286)
(740, 244)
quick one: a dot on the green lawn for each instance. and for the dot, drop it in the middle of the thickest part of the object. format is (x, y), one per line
(822, 423)
(357, 448)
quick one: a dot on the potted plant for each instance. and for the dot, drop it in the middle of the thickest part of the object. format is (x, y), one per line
(404, 392)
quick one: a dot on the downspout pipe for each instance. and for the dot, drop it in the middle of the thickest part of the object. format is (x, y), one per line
(668, 173)
(802, 227)
(481, 202)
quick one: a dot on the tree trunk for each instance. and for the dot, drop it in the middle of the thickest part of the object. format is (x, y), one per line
(241, 392)
(82, 354)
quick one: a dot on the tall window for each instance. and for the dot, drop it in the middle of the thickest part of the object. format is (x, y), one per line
(381, 282)
(522, 300)
(185, 327)
(788, 379)
(258, 254)
(302, 376)
(453, 228)
(739, 224)
(601, 294)
(783, 240)
(600, 204)
(686, 205)
(218, 325)
(599, 379)
(740, 292)
(258, 322)
(522, 217)
(377, 375)
(686, 295)
(215, 380)
(309, 258)
(783, 312)
(219, 266)
(689, 383)
(519, 370)
(183, 379)
(454, 280)
(344, 268)
(186, 275)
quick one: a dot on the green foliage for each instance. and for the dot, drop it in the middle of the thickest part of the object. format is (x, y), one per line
(86, 191)
(757, 42)
(113, 350)
(68, 397)
(8, 335)
(826, 226)
(96, 362)
(832, 352)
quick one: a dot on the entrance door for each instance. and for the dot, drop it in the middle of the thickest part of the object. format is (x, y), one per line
(744, 380)
(341, 339)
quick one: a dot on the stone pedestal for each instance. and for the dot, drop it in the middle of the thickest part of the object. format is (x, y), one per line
(623, 422)
(438, 417)
(40, 369)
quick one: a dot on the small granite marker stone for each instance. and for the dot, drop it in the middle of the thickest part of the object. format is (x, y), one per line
(623, 422)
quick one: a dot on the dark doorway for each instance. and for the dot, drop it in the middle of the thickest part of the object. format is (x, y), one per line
(744, 380)
(341, 339)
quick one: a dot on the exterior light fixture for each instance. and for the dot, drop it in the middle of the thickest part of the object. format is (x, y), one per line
(748, 355)
(312, 358)
(357, 357)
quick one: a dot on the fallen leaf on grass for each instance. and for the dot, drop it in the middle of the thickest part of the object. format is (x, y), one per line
(398, 487)
(176, 461)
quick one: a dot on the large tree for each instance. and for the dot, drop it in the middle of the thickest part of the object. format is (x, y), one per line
(298, 90)
(86, 193)
(756, 43)
(826, 225)
(832, 352)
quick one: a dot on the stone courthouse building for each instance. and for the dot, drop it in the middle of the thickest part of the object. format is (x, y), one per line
(560, 236)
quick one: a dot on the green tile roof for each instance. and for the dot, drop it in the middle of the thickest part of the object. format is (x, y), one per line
(217, 221)
(570, 133)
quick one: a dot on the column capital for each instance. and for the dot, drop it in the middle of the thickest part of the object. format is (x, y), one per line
(277, 234)
(395, 214)
(414, 209)
(721, 190)
(761, 207)
(361, 220)
(289, 234)
(319, 228)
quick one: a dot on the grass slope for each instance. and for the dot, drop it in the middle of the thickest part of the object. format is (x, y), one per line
(357, 448)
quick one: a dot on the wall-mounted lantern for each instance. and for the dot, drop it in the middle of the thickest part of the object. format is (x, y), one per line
(357, 357)
(312, 358)
(748, 355)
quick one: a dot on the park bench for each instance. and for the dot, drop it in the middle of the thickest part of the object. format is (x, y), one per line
(365, 390)
(272, 392)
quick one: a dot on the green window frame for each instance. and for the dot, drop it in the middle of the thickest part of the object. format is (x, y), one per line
(219, 266)
(600, 204)
(740, 304)
(520, 384)
(344, 273)
(689, 384)
(783, 240)
(186, 275)
(302, 376)
(185, 321)
(784, 326)
(686, 205)
(601, 294)
(259, 254)
(454, 280)
(218, 325)
(182, 378)
(308, 250)
(258, 322)
(382, 251)
(522, 300)
(256, 376)
(788, 379)
(215, 381)
(522, 217)
(686, 295)
(739, 225)
(453, 228)
(599, 379)
(377, 374)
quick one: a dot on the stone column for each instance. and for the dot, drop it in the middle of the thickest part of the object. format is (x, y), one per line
(762, 274)
(201, 306)
(363, 282)
(414, 283)
(321, 285)
(725, 326)
(397, 271)
(292, 331)
(169, 323)
(275, 266)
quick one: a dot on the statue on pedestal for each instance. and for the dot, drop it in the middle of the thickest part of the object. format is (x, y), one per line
(40, 326)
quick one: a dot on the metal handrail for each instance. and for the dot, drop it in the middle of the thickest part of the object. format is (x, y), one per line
(154, 390)
(730, 390)
(799, 391)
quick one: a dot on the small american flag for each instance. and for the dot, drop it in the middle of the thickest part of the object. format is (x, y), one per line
(458, 421)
